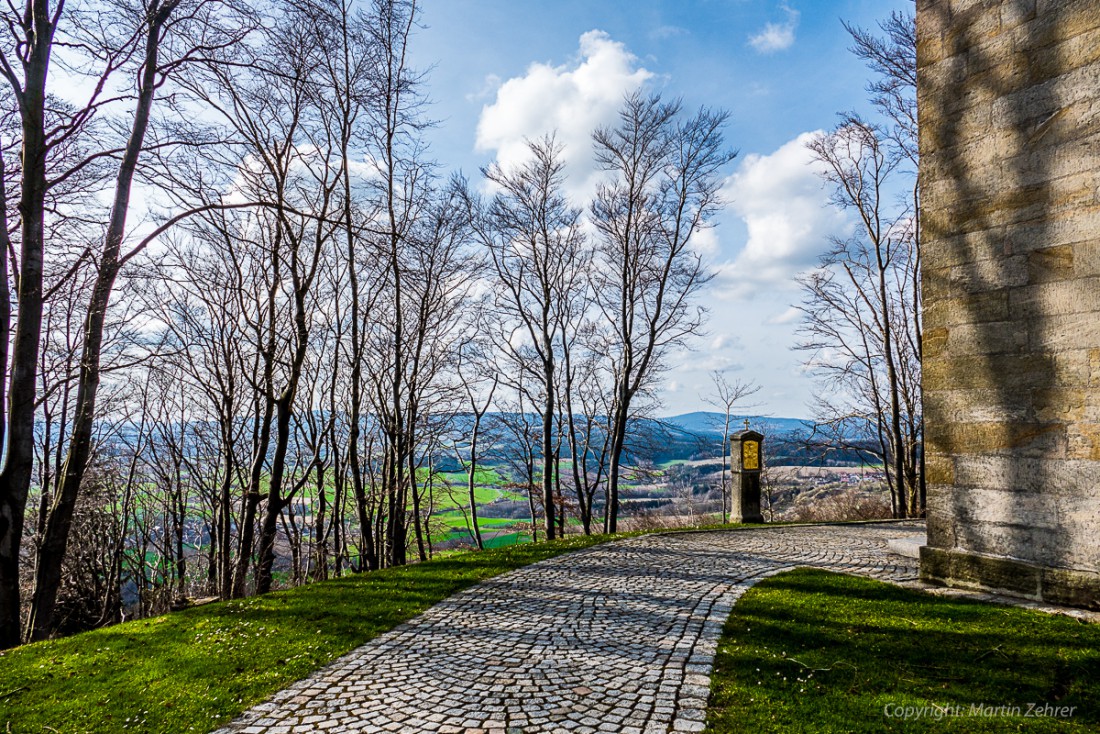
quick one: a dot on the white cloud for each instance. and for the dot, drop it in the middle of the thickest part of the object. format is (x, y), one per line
(570, 100)
(716, 362)
(777, 36)
(705, 241)
(489, 86)
(789, 316)
(788, 216)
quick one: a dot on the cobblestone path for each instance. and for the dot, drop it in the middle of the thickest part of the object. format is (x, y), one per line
(615, 638)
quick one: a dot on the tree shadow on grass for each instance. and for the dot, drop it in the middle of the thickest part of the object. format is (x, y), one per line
(871, 646)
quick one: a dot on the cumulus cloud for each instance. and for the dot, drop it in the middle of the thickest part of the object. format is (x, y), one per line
(788, 216)
(570, 100)
(776, 36)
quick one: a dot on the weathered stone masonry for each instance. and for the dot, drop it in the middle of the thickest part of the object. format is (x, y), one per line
(1009, 100)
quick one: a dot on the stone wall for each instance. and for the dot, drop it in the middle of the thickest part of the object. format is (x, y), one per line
(1009, 100)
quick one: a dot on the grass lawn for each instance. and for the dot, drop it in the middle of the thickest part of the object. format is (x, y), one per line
(193, 671)
(811, 651)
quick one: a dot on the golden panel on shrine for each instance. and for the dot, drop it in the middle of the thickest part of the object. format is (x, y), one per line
(750, 455)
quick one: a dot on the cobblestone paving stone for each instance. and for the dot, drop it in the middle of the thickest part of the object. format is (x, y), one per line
(617, 638)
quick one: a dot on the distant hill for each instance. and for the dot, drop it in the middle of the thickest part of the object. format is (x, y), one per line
(709, 423)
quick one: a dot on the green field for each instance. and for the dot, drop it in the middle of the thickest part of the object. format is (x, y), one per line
(484, 477)
(451, 509)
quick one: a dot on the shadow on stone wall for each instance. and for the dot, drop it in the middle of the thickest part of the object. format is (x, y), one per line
(1005, 174)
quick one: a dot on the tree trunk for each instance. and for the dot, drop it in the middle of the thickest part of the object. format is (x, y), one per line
(51, 552)
(618, 441)
(225, 525)
(275, 501)
(471, 478)
(418, 527)
(549, 470)
(252, 499)
(15, 476)
(320, 535)
(580, 463)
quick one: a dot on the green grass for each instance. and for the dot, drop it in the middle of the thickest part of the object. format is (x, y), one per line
(814, 651)
(458, 497)
(193, 671)
(491, 523)
(449, 501)
(501, 541)
(485, 476)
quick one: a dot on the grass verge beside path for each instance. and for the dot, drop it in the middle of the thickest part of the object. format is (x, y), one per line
(195, 670)
(812, 651)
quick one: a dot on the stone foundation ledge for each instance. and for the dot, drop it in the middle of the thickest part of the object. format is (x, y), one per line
(1009, 576)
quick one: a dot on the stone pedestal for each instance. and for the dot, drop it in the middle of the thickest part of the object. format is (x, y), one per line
(746, 459)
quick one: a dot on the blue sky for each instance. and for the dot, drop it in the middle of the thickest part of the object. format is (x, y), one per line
(506, 69)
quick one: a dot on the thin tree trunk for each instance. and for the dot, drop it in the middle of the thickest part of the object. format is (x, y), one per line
(548, 467)
(225, 523)
(275, 501)
(584, 500)
(470, 480)
(418, 528)
(55, 542)
(618, 441)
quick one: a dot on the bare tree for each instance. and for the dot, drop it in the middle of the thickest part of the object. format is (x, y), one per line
(56, 137)
(539, 258)
(664, 185)
(588, 402)
(726, 395)
(403, 191)
(164, 36)
(25, 68)
(862, 306)
(479, 383)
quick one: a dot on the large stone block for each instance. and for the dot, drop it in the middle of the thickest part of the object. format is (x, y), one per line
(1073, 588)
(981, 405)
(1075, 227)
(1053, 477)
(1065, 331)
(1016, 577)
(1004, 373)
(969, 308)
(1064, 297)
(1015, 438)
(976, 571)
